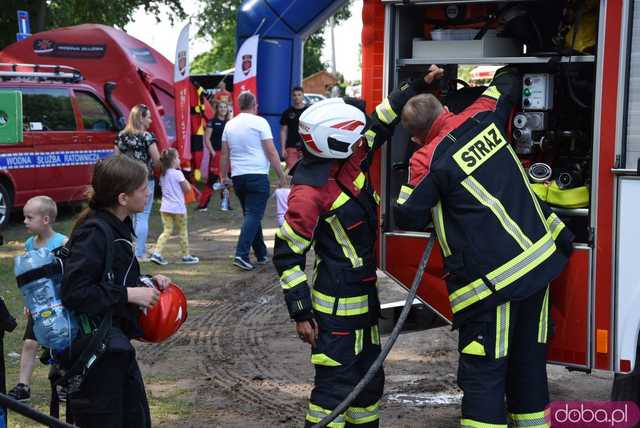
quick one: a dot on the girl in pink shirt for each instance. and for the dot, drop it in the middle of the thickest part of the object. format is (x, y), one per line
(173, 209)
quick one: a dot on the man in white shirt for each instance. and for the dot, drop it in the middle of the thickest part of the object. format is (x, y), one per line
(247, 143)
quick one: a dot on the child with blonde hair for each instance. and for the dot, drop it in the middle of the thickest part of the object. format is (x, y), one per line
(39, 216)
(173, 209)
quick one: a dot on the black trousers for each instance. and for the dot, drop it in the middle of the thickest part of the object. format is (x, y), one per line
(341, 359)
(112, 395)
(503, 352)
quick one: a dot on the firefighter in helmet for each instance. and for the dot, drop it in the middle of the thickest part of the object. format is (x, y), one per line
(502, 247)
(333, 206)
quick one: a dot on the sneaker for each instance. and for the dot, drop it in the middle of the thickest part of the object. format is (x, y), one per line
(144, 259)
(202, 210)
(243, 264)
(20, 392)
(189, 260)
(158, 259)
(262, 260)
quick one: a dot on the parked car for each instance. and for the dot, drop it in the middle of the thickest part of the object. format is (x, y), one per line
(66, 128)
(313, 98)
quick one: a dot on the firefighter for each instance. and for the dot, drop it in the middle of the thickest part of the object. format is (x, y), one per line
(501, 245)
(332, 205)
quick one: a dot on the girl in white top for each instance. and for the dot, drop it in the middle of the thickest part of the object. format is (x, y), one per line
(173, 209)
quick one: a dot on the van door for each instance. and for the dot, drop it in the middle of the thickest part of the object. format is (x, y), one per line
(97, 129)
(15, 162)
(50, 120)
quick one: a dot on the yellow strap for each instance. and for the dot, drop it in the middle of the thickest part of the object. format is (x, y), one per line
(375, 335)
(385, 112)
(483, 196)
(544, 318)
(529, 420)
(316, 413)
(370, 135)
(292, 277)
(504, 275)
(359, 181)
(343, 239)
(363, 415)
(492, 92)
(474, 348)
(297, 243)
(357, 347)
(438, 221)
(502, 330)
(342, 199)
(470, 423)
(405, 193)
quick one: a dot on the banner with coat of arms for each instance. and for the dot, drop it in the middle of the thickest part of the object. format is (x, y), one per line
(181, 94)
(246, 71)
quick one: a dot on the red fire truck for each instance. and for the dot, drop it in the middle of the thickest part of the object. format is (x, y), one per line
(577, 128)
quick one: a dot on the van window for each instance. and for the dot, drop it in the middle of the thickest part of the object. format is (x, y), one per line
(95, 116)
(47, 109)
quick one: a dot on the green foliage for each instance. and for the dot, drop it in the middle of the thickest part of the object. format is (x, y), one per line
(48, 14)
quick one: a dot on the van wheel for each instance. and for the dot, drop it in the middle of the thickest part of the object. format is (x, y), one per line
(5, 205)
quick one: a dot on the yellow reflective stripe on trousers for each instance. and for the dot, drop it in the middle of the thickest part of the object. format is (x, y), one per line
(349, 306)
(502, 329)
(375, 335)
(534, 198)
(405, 193)
(543, 323)
(363, 415)
(359, 181)
(385, 112)
(370, 135)
(342, 199)
(321, 302)
(555, 225)
(357, 347)
(324, 360)
(343, 239)
(504, 275)
(470, 423)
(478, 191)
(438, 222)
(292, 277)
(529, 420)
(316, 413)
(296, 242)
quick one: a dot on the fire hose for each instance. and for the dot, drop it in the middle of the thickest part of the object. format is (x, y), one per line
(388, 344)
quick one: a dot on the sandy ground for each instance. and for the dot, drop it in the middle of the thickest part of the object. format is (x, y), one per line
(238, 362)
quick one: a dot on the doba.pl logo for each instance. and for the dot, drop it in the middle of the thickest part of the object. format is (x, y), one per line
(593, 414)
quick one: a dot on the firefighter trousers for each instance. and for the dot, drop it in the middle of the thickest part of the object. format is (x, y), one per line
(503, 352)
(341, 359)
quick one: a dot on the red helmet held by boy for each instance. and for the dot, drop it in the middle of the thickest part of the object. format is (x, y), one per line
(165, 318)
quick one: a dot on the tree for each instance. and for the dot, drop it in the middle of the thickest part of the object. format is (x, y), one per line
(48, 14)
(217, 21)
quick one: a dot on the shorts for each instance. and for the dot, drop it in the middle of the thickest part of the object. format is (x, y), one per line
(28, 331)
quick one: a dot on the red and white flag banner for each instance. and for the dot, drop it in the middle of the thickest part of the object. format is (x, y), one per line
(245, 77)
(181, 95)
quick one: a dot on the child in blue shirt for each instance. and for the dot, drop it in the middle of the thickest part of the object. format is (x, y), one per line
(39, 216)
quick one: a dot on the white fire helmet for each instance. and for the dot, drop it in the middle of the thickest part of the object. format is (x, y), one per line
(330, 128)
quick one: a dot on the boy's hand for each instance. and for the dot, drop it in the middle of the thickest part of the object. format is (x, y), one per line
(434, 73)
(26, 312)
